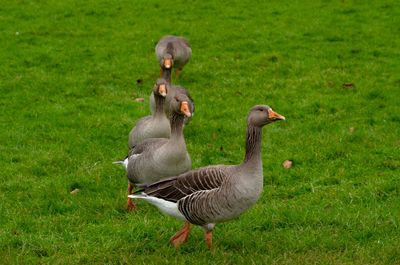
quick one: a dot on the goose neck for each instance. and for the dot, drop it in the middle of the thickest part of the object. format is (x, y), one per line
(176, 121)
(166, 74)
(253, 144)
(159, 102)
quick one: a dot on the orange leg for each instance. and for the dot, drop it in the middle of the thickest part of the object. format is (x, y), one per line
(208, 238)
(130, 205)
(181, 236)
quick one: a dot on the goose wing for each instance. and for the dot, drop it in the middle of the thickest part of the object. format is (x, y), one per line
(147, 144)
(175, 188)
(137, 131)
(184, 41)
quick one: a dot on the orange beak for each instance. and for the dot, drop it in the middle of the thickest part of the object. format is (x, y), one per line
(162, 90)
(168, 63)
(275, 116)
(185, 109)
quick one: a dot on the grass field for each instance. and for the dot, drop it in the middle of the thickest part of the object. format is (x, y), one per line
(70, 73)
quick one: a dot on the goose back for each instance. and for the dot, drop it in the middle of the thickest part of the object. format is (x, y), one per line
(176, 46)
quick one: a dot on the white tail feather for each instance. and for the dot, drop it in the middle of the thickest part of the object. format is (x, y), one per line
(166, 207)
(122, 162)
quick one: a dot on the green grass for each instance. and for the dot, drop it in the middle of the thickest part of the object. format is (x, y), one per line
(69, 74)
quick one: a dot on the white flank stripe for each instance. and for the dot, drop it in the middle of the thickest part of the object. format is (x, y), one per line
(166, 207)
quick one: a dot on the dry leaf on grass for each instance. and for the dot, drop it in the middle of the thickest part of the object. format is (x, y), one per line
(348, 85)
(287, 164)
(139, 99)
(75, 191)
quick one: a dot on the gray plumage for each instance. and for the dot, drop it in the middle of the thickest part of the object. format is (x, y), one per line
(154, 126)
(214, 194)
(158, 158)
(172, 91)
(172, 52)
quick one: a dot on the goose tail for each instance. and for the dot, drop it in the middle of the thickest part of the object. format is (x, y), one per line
(122, 162)
(166, 207)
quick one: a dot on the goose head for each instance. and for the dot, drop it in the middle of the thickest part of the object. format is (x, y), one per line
(161, 87)
(167, 61)
(180, 105)
(261, 115)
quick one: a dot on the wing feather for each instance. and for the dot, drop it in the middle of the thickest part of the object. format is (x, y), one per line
(175, 188)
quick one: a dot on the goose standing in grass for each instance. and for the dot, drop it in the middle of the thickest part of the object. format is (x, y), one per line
(156, 125)
(214, 194)
(172, 52)
(172, 92)
(157, 158)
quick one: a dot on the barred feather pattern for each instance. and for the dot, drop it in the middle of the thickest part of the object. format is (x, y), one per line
(176, 188)
(215, 194)
(233, 197)
(219, 204)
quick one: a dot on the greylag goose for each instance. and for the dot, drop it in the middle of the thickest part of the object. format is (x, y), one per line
(214, 194)
(172, 52)
(156, 125)
(157, 158)
(172, 92)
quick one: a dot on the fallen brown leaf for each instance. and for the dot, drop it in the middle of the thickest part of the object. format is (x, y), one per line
(287, 164)
(75, 191)
(348, 85)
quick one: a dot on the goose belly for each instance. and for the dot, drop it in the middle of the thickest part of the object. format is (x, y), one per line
(239, 200)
